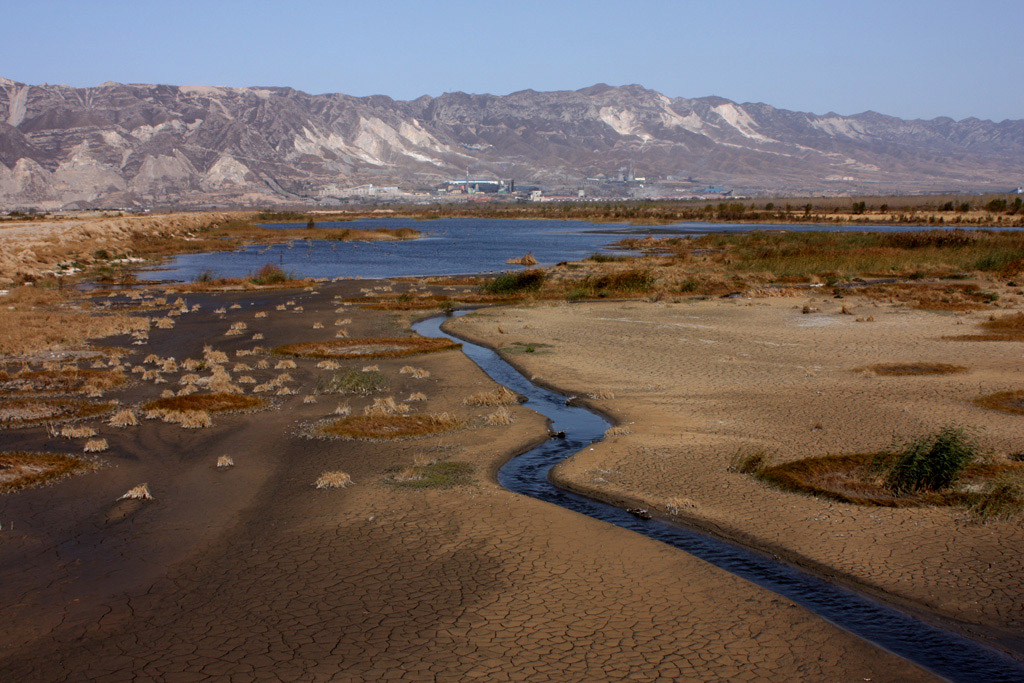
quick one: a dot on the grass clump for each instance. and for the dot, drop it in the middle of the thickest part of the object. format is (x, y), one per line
(501, 416)
(333, 480)
(26, 412)
(376, 347)
(1006, 401)
(96, 446)
(353, 382)
(1001, 498)
(214, 403)
(140, 492)
(435, 475)
(270, 274)
(931, 463)
(20, 469)
(515, 283)
(386, 427)
(748, 463)
(502, 396)
(225, 461)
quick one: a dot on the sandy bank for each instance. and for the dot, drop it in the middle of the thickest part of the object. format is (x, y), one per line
(695, 383)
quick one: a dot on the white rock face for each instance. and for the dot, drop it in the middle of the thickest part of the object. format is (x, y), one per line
(117, 144)
(227, 173)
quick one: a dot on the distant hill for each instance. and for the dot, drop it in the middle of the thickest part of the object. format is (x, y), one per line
(123, 145)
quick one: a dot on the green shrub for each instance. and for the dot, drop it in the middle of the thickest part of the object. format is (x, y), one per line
(931, 463)
(515, 283)
(270, 274)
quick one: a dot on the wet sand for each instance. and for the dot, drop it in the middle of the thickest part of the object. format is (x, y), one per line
(696, 383)
(253, 574)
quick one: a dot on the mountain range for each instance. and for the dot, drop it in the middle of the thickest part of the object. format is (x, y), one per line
(189, 146)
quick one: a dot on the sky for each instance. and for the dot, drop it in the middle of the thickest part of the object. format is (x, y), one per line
(906, 58)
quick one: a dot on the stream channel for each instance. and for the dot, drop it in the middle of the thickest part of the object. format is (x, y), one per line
(942, 652)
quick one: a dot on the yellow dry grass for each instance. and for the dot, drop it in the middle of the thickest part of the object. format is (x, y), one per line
(376, 347)
(502, 396)
(20, 469)
(28, 411)
(218, 402)
(385, 427)
(333, 480)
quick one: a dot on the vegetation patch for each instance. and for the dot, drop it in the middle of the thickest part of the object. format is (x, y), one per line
(902, 369)
(379, 426)
(515, 283)
(1006, 401)
(939, 469)
(64, 380)
(28, 411)
(1005, 328)
(502, 396)
(374, 347)
(353, 382)
(20, 469)
(213, 403)
(436, 475)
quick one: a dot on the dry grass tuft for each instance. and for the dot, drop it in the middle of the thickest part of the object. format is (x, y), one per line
(417, 373)
(377, 347)
(123, 418)
(140, 492)
(215, 403)
(1005, 401)
(919, 368)
(602, 395)
(385, 406)
(261, 314)
(285, 365)
(384, 427)
(342, 410)
(225, 461)
(328, 365)
(416, 396)
(371, 368)
(25, 412)
(502, 396)
(501, 416)
(20, 469)
(96, 446)
(618, 430)
(309, 399)
(77, 432)
(333, 480)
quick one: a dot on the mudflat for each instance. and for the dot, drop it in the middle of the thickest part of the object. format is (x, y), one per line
(252, 573)
(696, 383)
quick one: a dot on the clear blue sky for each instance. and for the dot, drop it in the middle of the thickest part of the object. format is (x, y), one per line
(908, 58)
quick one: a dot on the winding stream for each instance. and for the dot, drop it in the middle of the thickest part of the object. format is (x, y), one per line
(942, 652)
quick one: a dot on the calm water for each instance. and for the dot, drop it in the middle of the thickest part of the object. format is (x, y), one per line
(450, 246)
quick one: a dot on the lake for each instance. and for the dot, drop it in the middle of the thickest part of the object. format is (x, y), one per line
(449, 246)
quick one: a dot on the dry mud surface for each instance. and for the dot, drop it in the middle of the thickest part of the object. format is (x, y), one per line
(253, 574)
(698, 382)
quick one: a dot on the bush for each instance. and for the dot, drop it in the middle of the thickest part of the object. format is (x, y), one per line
(931, 463)
(633, 280)
(270, 274)
(514, 283)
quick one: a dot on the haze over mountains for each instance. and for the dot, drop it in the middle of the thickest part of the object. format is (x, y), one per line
(156, 145)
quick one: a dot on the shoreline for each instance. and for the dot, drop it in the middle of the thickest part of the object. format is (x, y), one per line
(569, 474)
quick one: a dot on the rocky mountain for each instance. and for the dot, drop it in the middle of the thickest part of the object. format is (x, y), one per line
(146, 145)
